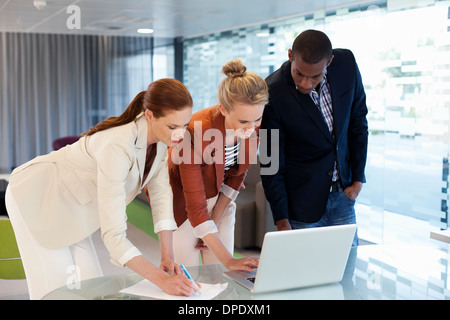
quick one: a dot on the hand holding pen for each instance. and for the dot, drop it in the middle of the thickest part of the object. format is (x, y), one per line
(190, 278)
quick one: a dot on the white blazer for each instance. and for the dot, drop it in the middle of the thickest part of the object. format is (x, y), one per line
(68, 194)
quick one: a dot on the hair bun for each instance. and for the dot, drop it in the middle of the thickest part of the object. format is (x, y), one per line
(234, 68)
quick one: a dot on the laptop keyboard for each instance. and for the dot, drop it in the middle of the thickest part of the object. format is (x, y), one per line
(252, 280)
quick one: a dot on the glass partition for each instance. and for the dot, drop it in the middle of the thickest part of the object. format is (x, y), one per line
(403, 51)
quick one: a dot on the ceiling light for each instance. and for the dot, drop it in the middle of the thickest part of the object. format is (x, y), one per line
(145, 30)
(39, 4)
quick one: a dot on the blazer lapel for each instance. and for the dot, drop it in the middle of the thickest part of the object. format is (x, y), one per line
(247, 154)
(161, 149)
(141, 144)
(218, 122)
(141, 150)
(306, 102)
(312, 111)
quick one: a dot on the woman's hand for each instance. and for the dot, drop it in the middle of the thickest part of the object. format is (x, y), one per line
(167, 259)
(214, 244)
(167, 265)
(178, 285)
(244, 264)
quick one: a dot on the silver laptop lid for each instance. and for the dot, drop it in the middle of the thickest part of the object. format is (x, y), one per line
(303, 257)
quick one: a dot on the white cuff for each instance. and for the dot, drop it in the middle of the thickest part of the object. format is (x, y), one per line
(204, 228)
(166, 224)
(127, 256)
(229, 192)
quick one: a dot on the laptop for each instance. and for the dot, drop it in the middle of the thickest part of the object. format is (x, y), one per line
(299, 258)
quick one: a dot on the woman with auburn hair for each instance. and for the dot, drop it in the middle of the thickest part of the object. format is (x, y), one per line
(56, 201)
(204, 191)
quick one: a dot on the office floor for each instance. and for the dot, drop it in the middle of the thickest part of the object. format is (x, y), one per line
(17, 289)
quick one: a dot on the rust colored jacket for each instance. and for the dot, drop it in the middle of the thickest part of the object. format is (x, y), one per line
(197, 170)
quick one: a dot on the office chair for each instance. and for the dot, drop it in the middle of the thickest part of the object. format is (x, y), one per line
(10, 263)
(63, 141)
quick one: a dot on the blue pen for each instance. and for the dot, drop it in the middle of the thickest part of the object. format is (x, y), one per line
(190, 278)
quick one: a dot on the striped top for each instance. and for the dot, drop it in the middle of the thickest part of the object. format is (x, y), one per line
(231, 155)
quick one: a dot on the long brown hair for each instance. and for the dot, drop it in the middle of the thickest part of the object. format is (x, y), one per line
(161, 96)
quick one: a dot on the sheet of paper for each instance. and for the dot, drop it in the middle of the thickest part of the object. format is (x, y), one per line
(147, 289)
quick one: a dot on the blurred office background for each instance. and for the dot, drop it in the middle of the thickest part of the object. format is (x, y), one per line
(56, 80)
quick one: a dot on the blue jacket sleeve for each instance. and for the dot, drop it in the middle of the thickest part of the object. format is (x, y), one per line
(272, 157)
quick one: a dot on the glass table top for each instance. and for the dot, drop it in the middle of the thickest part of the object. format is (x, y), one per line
(373, 272)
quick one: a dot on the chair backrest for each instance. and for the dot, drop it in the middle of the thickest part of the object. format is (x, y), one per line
(64, 141)
(3, 185)
(11, 266)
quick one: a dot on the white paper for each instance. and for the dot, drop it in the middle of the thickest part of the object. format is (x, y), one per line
(147, 289)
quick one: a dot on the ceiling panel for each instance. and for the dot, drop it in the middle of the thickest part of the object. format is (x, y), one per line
(169, 18)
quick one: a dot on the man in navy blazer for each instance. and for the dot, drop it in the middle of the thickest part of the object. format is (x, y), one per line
(318, 105)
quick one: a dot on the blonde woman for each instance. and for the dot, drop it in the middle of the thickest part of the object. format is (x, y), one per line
(206, 183)
(56, 201)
